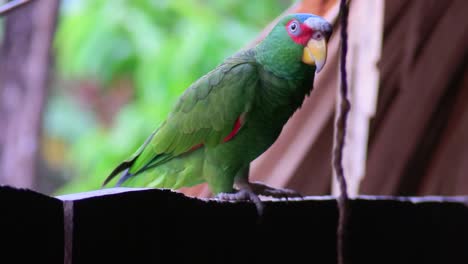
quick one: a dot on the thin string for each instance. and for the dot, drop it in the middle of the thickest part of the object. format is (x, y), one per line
(339, 142)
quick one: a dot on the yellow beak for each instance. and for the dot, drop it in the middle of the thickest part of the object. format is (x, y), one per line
(315, 53)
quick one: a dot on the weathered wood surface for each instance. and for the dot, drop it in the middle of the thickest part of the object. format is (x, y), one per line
(160, 226)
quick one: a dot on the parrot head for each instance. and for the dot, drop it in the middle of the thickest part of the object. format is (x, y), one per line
(296, 39)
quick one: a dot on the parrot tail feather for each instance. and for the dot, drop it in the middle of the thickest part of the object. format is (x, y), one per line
(124, 166)
(126, 175)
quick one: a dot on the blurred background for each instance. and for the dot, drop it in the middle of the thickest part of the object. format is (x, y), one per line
(84, 82)
(116, 69)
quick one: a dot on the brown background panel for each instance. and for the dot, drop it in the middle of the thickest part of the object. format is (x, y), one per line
(313, 176)
(448, 169)
(421, 61)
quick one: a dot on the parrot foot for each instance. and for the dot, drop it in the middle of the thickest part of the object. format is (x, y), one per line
(249, 191)
(265, 190)
(245, 194)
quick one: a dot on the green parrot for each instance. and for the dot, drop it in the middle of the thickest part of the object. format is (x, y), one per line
(234, 113)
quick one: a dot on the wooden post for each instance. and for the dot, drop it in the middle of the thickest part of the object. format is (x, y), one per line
(24, 68)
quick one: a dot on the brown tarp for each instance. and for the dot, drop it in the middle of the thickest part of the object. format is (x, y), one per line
(418, 141)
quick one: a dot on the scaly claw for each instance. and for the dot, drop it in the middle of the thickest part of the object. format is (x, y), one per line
(265, 190)
(245, 194)
(249, 191)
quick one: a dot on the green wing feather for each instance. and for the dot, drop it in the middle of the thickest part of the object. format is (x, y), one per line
(205, 114)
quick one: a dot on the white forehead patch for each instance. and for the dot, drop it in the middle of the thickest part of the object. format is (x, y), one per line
(318, 23)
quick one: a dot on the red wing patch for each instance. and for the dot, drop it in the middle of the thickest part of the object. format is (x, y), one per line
(195, 147)
(237, 125)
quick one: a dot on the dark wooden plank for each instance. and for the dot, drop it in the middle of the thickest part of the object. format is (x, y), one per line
(147, 226)
(31, 227)
(160, 226)
(408, 231)
(125, 225)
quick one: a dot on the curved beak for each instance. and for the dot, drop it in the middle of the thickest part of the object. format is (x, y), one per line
(315, 53)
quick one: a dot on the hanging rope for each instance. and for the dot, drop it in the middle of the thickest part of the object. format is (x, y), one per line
(339, 142)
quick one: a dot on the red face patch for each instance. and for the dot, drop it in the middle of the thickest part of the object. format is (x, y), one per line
(299, 32)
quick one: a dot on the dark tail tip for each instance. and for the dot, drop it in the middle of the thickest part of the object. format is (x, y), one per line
(123, 166)
(125, 176)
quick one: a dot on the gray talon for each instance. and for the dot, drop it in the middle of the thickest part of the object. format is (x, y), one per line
(249, 191)
(243, 195)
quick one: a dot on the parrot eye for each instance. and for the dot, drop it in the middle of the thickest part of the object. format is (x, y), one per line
(293, 28)
(317, 36)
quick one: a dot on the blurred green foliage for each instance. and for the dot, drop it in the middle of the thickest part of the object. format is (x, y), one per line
(161, 46)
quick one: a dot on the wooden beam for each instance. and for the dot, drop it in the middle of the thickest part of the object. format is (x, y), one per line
(127, 225)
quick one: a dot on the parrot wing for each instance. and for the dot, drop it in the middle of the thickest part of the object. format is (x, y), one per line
(211, 111)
